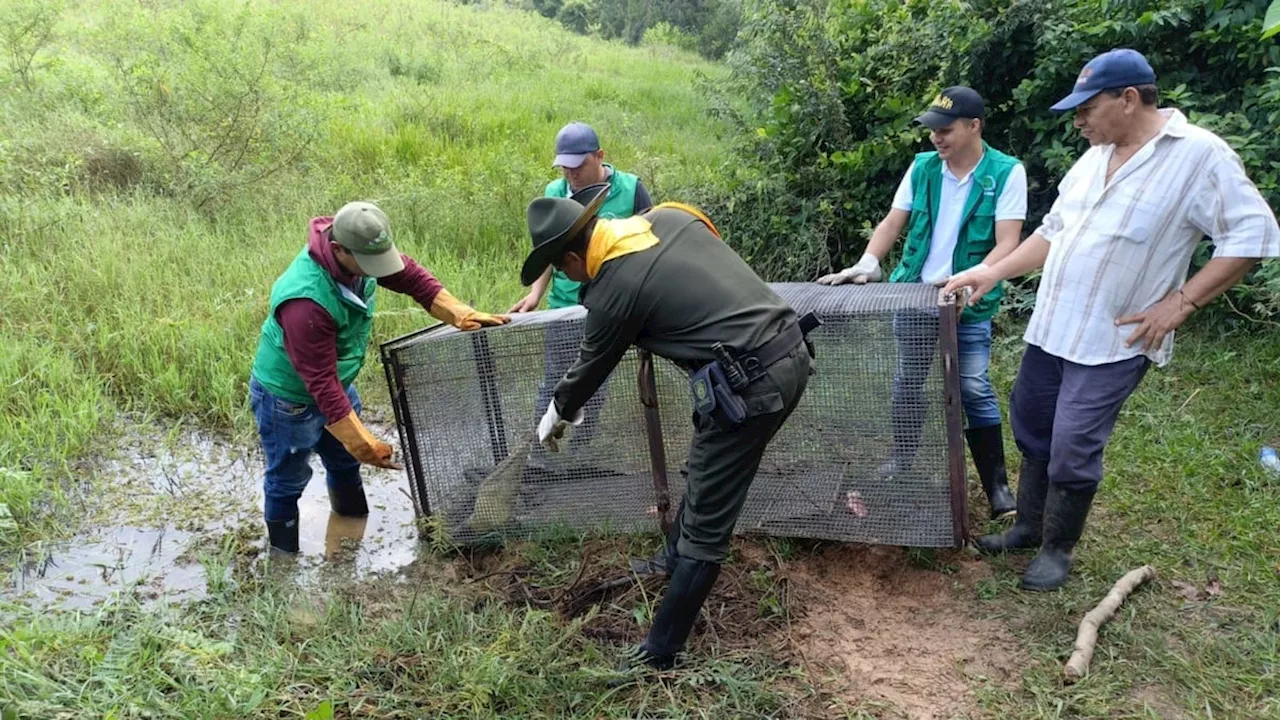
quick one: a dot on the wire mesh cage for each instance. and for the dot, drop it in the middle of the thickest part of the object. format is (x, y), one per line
(873, 453)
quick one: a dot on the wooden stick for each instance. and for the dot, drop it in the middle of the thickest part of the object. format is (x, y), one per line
(1087, 638)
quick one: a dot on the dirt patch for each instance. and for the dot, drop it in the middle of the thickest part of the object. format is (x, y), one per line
(895, 634)
(751, 604)
(871, 629)
(1159, 700)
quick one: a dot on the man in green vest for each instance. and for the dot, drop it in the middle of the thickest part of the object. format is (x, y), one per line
(310, 351)
(580, 159)
(962, 206)
(666, 282)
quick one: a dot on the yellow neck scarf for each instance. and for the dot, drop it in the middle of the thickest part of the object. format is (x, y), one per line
(615, 238)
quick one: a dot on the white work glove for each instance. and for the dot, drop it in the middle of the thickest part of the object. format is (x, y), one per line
(963, 273)
(867, 270)
(552, 427)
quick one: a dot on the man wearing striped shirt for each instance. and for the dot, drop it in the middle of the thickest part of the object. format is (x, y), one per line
(1115, 247)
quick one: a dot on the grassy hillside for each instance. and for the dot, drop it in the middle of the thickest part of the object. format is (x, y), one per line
(159, 162)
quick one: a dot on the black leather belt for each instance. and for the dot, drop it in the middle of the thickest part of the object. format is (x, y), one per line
(755, 363)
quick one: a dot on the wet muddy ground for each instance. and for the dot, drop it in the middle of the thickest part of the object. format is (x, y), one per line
(870, 628)
(163, 506)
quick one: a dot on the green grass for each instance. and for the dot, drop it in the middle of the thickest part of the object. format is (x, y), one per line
(259, 646)
(136, 262)
(1183, 492)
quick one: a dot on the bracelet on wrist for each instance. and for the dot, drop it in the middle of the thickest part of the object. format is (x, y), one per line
(1188, 299)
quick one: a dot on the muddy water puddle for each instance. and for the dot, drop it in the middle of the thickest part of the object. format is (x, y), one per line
(171, 505)
(125, 559)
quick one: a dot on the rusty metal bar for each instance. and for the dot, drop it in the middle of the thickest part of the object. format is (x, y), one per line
(653, 429)
(949, 307)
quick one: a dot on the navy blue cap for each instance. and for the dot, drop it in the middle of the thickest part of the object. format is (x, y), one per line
(574, 143)
(1113, 69)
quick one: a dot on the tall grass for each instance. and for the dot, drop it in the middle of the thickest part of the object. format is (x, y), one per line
(161, 167)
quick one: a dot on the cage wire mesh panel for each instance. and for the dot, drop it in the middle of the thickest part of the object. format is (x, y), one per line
(467, 405)
(865, 457)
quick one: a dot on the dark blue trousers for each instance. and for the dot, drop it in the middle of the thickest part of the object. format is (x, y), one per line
(1064, 413)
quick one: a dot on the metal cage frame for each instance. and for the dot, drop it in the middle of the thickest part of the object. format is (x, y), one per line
(949, 309)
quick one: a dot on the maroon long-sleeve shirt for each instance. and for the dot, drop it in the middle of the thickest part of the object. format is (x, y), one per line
(310, 335)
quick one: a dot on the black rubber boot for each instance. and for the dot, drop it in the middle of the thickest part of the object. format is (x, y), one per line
(987, 447)
(347, 498)
(1064, 514)
(691, 583)
(283, 535)
(1027, 530)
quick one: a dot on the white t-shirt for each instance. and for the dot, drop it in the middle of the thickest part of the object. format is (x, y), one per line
(1011, 205)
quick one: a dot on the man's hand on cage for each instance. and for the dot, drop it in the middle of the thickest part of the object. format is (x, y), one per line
(527, 303)
(979, 278)
(552, 427)
(867, 270)
(461, 315)
(361, 444)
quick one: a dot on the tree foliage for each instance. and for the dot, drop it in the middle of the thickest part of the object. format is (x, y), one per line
(708, 27)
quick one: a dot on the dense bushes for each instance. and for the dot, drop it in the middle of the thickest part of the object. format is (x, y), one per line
(708, 27)
(833, 85)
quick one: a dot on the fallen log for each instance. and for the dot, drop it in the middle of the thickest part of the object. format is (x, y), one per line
(1087, 637)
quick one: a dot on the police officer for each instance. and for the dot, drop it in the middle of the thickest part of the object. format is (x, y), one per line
(666, 282)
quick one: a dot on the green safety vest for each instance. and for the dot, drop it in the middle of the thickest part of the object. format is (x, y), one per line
(352, 313)
(977, 226)
(621, 203)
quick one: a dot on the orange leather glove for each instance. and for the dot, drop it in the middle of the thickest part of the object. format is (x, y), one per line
(364, 447)
(450, 309)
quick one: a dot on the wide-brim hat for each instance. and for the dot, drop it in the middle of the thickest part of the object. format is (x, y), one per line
(554, 221)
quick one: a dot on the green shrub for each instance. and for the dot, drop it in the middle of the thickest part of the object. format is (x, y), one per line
(664, 33)
(709, 27)
(221, 91)
(27, 28)
(577, 15)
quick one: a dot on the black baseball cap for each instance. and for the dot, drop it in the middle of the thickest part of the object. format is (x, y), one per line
(952, 104)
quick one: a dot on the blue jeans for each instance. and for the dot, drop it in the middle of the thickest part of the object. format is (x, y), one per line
(917, 334)
(290, 432)
(976, 393)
